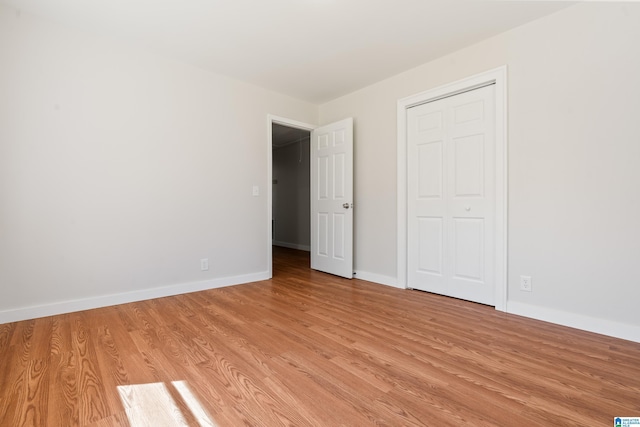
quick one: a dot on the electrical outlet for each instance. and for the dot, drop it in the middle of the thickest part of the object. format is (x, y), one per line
(255, 191)
(525, 283)
(204, 264)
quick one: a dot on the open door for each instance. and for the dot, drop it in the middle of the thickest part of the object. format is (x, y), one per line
(332, 198)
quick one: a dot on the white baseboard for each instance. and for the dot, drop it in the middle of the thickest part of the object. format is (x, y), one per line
(578, 321)
(62, 307)
(292, 246)
(587, 323)
(377, 278)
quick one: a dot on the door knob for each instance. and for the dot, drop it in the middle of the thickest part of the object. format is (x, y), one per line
(345, 205)
(467, 208)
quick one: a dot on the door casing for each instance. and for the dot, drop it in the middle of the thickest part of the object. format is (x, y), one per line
(498, 76)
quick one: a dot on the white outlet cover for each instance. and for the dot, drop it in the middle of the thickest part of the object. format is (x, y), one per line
(525, 283)
(256, 190)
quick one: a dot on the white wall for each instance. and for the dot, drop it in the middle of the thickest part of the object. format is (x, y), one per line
(291, 195)
(574, 150)
(120, 170)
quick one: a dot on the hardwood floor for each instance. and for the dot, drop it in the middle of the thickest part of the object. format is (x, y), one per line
(309, 349)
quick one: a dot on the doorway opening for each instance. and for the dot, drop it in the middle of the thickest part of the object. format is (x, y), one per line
(331, 194)
(290, 184)
(289, 193)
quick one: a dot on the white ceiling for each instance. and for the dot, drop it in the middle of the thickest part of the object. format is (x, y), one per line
(314, 50)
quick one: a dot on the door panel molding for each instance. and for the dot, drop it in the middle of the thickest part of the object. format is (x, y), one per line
(331, 153)
(498, 77)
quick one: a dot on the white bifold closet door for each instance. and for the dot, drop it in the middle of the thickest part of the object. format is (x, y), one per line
(451, 196)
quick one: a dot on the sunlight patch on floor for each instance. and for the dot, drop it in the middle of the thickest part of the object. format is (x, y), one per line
(152, 405)
(193, 403)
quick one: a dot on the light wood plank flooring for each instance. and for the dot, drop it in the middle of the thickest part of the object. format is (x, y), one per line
(310, 349)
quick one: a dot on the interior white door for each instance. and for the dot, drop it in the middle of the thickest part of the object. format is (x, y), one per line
(451, 196)
(332, 198)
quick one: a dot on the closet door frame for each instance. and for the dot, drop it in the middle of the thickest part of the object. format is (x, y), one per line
(498, 77)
